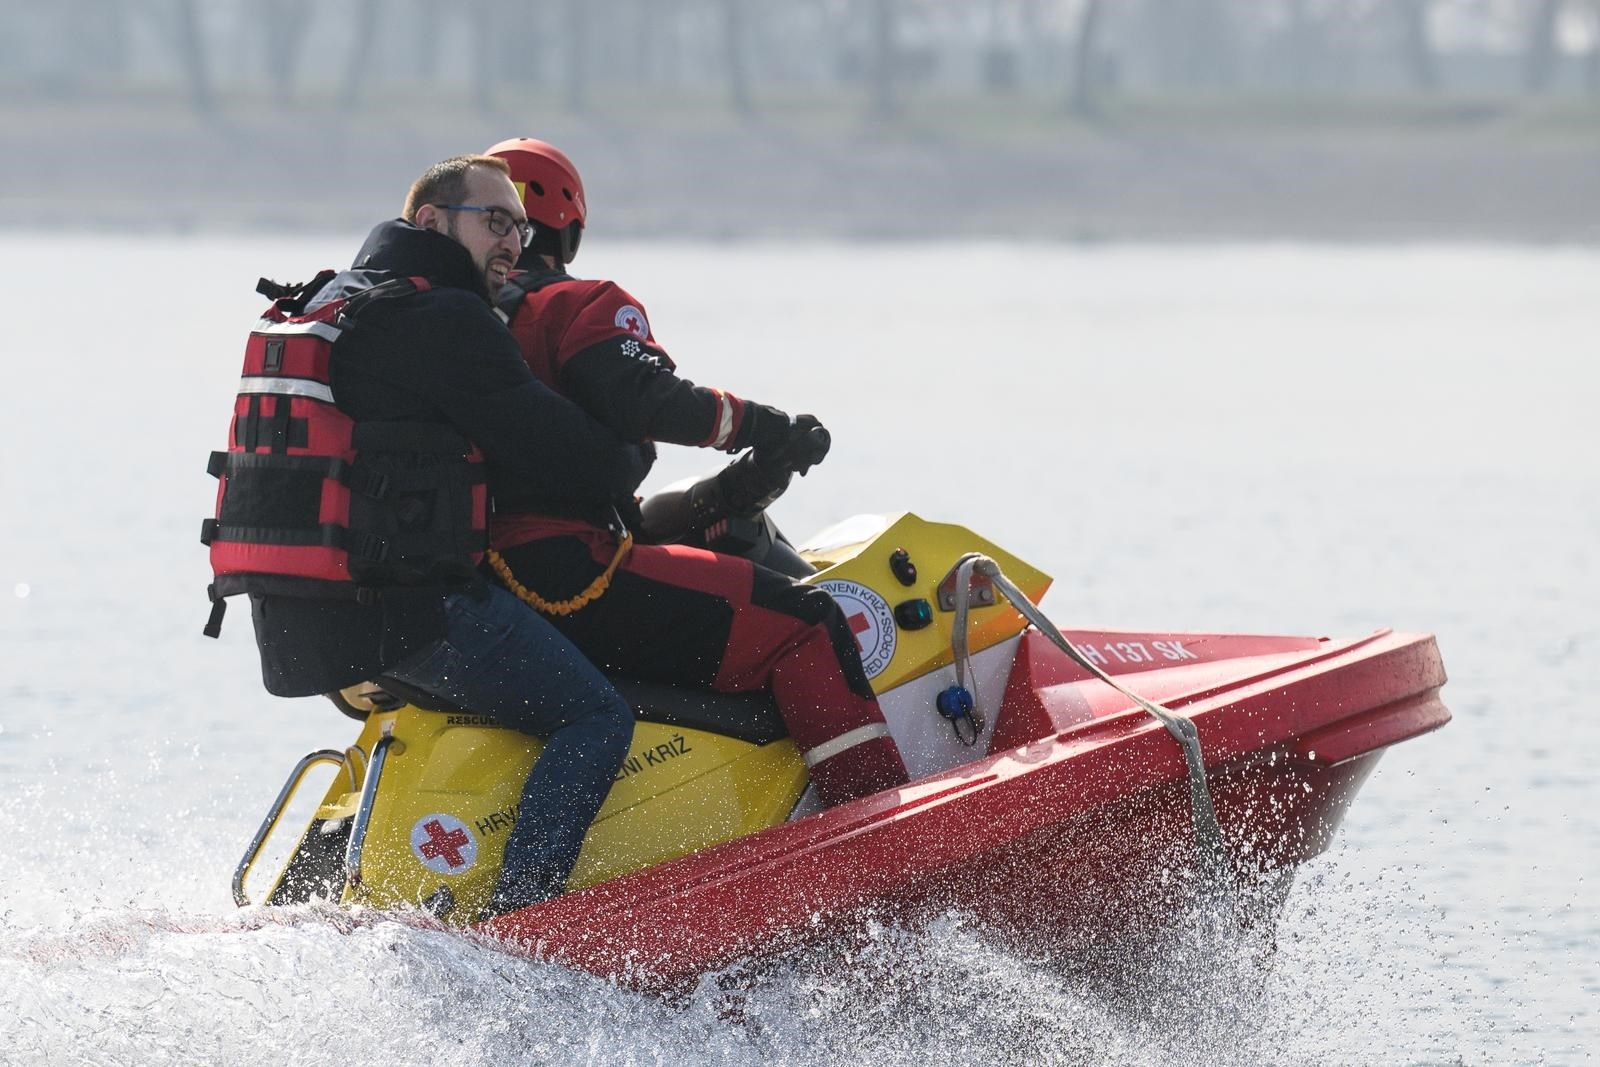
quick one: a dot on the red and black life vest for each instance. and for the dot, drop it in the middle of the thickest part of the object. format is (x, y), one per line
(312, 503)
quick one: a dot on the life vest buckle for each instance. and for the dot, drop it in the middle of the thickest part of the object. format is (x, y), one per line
(371, 548)
(374, 484)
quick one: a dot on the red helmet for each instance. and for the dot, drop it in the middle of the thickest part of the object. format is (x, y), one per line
(552, 192)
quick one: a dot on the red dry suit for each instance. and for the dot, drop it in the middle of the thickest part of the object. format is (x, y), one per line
(673, 613)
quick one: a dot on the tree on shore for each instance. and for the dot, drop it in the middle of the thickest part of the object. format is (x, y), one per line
(577, 56)
(999, 67)
(424, 58)
(1299, 47)
(1084, 95)
(1542, 55)
(358, 67)
(485, 72)
(884, 102)
(1417, 42)
(1193, 41)
(1591, 63)
(102, 38)
(284, 24)
(735, 42)
(190, 43)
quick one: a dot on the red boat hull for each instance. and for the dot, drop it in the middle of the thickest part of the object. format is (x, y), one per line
(1082, 806)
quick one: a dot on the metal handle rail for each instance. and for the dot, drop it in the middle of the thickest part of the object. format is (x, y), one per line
(1210, 857)
(369, 792)
(323, 755)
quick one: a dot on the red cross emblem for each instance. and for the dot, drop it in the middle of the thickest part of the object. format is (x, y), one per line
(631, 319)
(859, 624)
(869, 618)
(445, 843)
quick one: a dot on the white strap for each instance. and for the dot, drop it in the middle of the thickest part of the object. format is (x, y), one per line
(849, 739)
(287, 387)
(325, 330)
(724, 422)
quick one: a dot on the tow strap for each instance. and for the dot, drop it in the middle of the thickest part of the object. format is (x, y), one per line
(1211, 860)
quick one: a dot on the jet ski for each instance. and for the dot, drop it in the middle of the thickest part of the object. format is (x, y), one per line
(1057, 775)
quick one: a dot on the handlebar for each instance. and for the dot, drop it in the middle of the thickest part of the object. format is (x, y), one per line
(743, 490)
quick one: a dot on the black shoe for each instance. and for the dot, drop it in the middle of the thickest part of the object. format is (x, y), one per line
(440, 903)
(514, 894)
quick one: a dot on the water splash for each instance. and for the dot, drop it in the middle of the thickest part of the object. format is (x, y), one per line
(319, 984)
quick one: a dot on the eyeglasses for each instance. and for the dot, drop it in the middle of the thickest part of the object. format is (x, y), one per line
(499, 221)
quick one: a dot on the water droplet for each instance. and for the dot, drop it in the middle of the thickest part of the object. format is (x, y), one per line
(1312, 754)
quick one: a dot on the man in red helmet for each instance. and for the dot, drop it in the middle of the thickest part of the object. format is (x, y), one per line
(668, 613)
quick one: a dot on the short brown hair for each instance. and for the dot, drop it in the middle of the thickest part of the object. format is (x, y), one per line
(446, 182)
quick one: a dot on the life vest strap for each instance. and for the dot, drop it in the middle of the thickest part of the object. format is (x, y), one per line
(375, 484)
(520, 286)
(227, 585)
(326, 535)
(279, 431)
(382, 291)
(294, 294)
(365, 547)
(219, 607)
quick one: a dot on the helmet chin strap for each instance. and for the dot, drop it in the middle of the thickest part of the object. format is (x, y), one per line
(568, 240)
(551, 248)
(535, 259)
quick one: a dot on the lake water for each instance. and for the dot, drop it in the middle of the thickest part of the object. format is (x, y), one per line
(1255, 438)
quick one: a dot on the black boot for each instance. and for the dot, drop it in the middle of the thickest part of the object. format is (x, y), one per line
(517, 891)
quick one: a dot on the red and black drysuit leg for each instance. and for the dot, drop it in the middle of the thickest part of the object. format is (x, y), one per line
(685, 616)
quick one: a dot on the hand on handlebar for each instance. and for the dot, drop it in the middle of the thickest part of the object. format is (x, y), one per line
(803, 446)
(745, 487)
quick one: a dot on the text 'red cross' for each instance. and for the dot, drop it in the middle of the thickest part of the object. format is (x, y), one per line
(442, 842)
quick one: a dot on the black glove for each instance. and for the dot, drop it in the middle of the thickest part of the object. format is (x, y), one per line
(769, 427)
(744, 487)
(802, 445)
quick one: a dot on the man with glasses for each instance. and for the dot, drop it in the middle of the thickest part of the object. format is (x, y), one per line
(438, 355)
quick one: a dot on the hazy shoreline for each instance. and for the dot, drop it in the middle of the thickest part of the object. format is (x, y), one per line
(1516, 174)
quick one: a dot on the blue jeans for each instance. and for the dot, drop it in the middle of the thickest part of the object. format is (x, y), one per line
(502, 659)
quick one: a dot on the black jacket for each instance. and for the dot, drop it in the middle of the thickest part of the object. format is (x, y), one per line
(440, 355)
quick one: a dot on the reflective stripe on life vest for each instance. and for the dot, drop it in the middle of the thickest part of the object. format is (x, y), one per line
(325, 330)
(287, 387)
